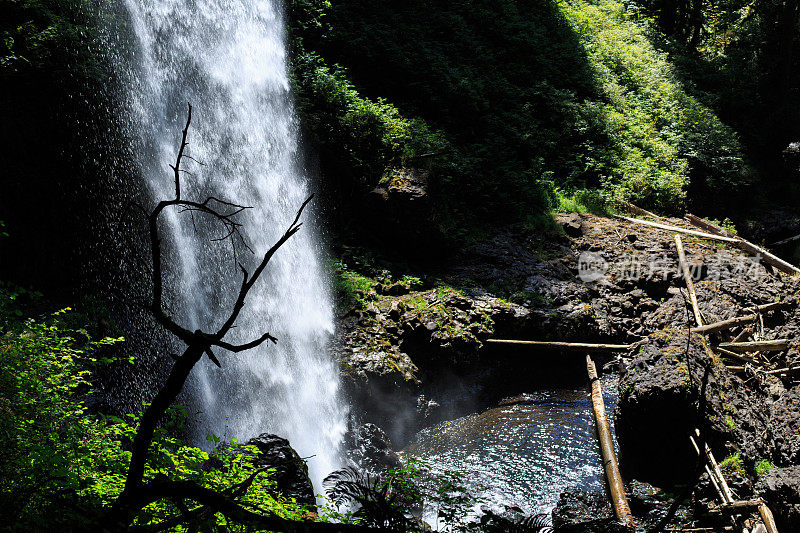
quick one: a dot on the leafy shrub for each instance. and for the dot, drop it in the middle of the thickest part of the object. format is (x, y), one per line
(401, 497)
(60, 464)
(523, 95)
(762, 467)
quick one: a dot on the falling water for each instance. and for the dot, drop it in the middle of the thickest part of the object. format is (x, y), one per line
(228, 59)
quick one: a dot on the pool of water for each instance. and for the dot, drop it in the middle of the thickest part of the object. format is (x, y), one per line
(523, 451)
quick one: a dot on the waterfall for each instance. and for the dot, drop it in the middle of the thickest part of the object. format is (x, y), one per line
(228, 59)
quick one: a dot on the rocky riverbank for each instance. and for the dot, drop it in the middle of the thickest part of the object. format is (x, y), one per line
(414, 353)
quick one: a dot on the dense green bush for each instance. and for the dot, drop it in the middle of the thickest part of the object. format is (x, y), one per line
(661, 137)
(60, 464)
(360, 137)
(528, 96)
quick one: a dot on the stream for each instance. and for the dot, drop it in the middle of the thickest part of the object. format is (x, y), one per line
(524, 451)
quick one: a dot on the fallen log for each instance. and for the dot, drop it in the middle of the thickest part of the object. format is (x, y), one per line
(566, 346)
(615, 486)
(777, 345)
(687, 278)
(723, 325)
(636, 210)
(678, 229)
(738, 321)
(783, 370)
(747, 246)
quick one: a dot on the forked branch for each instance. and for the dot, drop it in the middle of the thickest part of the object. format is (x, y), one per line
(137, 493)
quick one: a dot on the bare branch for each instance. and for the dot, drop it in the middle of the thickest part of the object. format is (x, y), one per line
(221, 503)
(136, 493)
(177, 167)
(246, 346)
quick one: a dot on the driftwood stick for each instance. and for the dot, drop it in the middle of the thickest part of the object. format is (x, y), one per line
(737, 356)
(735, 368)
(715, 468)
(743, 334)
(723, 325)
(767, 517)
(747, 246)
(615, 486)
(688, 279)
(737, 321)
(783, 370)
(678, 229)
(777, 345)
(786, 241)
(566, 346)
(758, 504)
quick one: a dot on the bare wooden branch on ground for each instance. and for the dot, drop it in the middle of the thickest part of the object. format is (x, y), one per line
(687, 277)
(615, 486)
(565, 346)
(747, 246)
(777, 345)
(678, 229)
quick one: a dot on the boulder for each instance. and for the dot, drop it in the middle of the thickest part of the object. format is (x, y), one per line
(780, 488)
(571, 224)
(580, 511)
(372, 450)
(662, 392)
(291, 471)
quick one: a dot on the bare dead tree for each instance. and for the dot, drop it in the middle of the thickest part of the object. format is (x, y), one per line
(137, 492)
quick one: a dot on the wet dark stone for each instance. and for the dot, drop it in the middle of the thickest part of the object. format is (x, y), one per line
(580, 511)
(371, 449)
(291, 472)
(780, 488)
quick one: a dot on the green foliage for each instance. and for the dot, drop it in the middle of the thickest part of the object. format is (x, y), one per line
(49, 34)
(443, 493)
(762, 467)
(582, 201)
(732, 463)
(60, 464)
(352, 288)
(660, 136)
(359, 136)
(403, 496)
(538, 104)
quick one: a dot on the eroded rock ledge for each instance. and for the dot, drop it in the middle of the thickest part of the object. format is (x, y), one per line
(521, 285)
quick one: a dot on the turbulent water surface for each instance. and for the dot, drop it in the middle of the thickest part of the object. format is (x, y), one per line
(228, 59)
(524, 451)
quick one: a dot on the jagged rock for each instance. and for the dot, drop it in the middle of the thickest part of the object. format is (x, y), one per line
(291, 472)
(658, 408)
(780, 488)
(580, 511)
(571, 223)
(396, 289)
(371, 449)
(650, 505)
